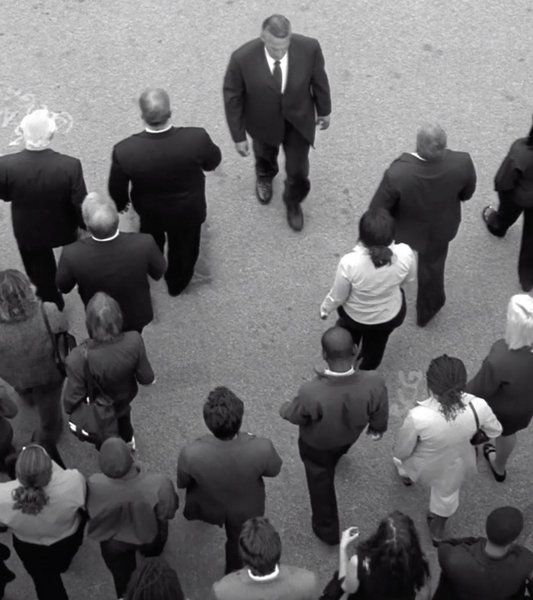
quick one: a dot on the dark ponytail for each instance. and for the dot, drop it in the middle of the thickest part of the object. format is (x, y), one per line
(376, 233)
(380, 256)
(446, 379)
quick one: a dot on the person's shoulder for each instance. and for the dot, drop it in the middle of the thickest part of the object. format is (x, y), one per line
(402, 163)
(136, 238)
(66, 159)
(246, 49)
(255, 443)
(371, 378)
(458, 156)
(403, 250)
(224, 588)
(71, 477)
(128, 142)
(304, 40)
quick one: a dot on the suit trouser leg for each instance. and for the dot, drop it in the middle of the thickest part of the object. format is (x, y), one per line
(40, 266)
(120, 558)
(507, 214)
(296, 148)
(155, 227)
(431, 296)
(233, 526)
(47, 399)
(525, 258)
(183, 252)
(266, 160)
(6, 443)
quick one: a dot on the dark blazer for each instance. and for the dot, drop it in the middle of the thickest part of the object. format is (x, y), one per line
(425, 196)
(46, 190)
(254, 105)
(166, 171)
(119, 267)
(515, 175)
(226, 477)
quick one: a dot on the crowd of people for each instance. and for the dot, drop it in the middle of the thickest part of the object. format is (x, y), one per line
(276, 90)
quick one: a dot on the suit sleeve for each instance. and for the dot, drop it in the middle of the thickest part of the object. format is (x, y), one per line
(168, 501)
(209, 156)
(273, 463)
(118, 184)
(379, 410)
(4, 192)
(507, 175)
(8, 403)
(320, 85)
(75, 388)
(144, 373)
(234, 100)
(470, 186)
(157, 265)
(386, 196)
(301, 411)
(65, 279)
(486, 382)
(185, 478)
(78, 192)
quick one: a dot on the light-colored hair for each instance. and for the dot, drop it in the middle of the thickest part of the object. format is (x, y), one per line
(277, 25)
(103, 318)
(430, 141)
(100, 215)
(38, 129)
(17, 297)
(519, 330)
(34, 472)
(155, 106)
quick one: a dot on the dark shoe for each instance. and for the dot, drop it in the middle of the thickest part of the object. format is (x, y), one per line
(330, 539)
(436, 525)
(486, 214)
(295, 217)
(526, 287)
(489, 449)
(263, 190)
(175, 290)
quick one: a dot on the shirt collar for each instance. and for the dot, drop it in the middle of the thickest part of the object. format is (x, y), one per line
(418, 156)
(158, 130)
(107, 239)
(336, 374)
(282, 62)
(268, 577)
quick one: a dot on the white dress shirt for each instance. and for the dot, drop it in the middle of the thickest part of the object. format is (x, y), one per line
(283, 63)
(158, 130)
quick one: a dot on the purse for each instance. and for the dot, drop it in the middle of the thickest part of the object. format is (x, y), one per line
(62, 343)
(480, 437)
(94, 419)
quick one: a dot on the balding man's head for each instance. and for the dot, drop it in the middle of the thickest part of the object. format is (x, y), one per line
(430, 141)
(100, 216)
(155, 107)
(337, 344)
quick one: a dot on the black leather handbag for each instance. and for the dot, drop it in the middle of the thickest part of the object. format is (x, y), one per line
(480, 437)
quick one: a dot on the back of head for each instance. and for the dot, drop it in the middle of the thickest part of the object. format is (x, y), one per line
(446, 379)
(223, 413)
(519, 329)
(38, 129)
(17, 298)
(154, 579)
(103, 318)
(34, 472)
(430, 141)
(504, 525)
(277, 25)
(260, 546)
(115, 458)
(337, 344)
(376, 233)
(155, 107)
(100, 215)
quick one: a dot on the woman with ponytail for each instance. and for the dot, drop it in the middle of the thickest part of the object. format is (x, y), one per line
(367, 288)
(44, 509)
(434, 443)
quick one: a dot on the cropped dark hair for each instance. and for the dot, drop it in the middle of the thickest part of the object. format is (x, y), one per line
(446, 379)
(277, 25)
(223, 413)
(103, 318)
(431, 141)
(155, 106)
(397, 565)
(259, 546)
(376, 233)
(154, 579)
(34, 472)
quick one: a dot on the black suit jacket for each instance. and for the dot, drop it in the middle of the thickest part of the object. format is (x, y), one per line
(119, 267)
(46, 190)
(166, 171)
(425, 196)
(254, 105)
(515, 175)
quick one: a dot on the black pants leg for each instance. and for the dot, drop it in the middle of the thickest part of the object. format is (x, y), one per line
(183, 251)
(233, 526)
(507, 214)
(525, 259)
(47, 400)
(40, 267)
(6, 444)
(431, 296)
(125, 428)
(320, 467)
(155, 227)
(266, 160)
(296, 148)
(120, 558)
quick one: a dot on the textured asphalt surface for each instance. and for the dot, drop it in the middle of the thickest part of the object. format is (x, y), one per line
(251, 320)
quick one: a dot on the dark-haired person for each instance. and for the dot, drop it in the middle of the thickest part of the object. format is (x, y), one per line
(129, 509)
(161, 171)
(332, 411)
(117, 361)
(154, 579)
(276, 89)
(367, 289)
(262, 576)
(112, 261)
(423, 191)
(491, 568)
(514, 185)
(223, 471)
(44, 510)
(433, 444)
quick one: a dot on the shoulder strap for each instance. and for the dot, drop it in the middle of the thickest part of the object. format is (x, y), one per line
(475, 414)
(87, 371)
(48, 328)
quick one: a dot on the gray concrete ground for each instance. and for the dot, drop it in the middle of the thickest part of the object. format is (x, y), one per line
(252, 322)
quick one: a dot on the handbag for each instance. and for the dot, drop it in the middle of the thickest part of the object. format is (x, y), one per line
(94, 419)
(62, 344)
(480, 437)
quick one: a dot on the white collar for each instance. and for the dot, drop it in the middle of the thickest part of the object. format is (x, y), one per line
(282, 61)
(107, 239)
(418, 156)
(268, 577)
(158, 130)
(337, 374)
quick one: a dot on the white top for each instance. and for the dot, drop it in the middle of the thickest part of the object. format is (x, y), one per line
(368, 294)
(283, 63)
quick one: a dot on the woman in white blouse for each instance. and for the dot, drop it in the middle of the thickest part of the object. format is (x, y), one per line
(367, 289)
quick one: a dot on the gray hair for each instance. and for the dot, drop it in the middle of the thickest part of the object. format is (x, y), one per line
(277, 25)
(100, 215)
(430, 141)
(38, 129)
(155, 106)
(103, 318)
(519, 329)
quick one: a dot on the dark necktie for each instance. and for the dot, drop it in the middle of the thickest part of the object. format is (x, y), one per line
(278, 77)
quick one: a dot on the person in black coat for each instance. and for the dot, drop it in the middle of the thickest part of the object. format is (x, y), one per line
(423, 190)
(6, 575)
(276, 89)
(514, 184)
(113, 262)
(165, 166)
(46, 190)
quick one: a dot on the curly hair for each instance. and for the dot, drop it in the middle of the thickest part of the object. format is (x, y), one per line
(396, 564)
(223, 413)
(17, 298)
(446, 379)
(34, 472)
(154, 579)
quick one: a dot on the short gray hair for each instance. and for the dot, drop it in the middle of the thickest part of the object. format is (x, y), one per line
(277, 25)
(38, 129)
(103, 318)
(100, 216)
(430, 141)
(155, 106)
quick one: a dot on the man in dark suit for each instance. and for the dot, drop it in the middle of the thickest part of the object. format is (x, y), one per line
(113, 262)
(423, 190)
(223, 472)
(165, 166)
(277, 90)
(46, 190)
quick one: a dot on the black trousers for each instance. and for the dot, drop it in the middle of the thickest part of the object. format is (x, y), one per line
(233, 526)
(45, 564)
(431, 296)
(373, 338)
(121, 557)
(320, 467)
(40, 267)
(499, 222)
(125, 428)
(183, 248)
(7, 450)
(296, 148)
(47, 400)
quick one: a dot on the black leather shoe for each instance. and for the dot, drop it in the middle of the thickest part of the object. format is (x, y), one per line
(263, 190)
(295, 217)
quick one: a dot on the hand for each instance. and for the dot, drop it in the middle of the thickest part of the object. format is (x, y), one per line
(323, 122)
(375, 436)
(348, 536)
(323, 315)
(242, 148)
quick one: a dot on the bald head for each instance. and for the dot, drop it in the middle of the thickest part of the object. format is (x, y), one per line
(337, 344)
(100, 216)
(155, 107)
(430, 141)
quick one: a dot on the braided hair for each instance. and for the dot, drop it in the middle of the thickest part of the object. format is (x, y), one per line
(446, 380)
(154, 579)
